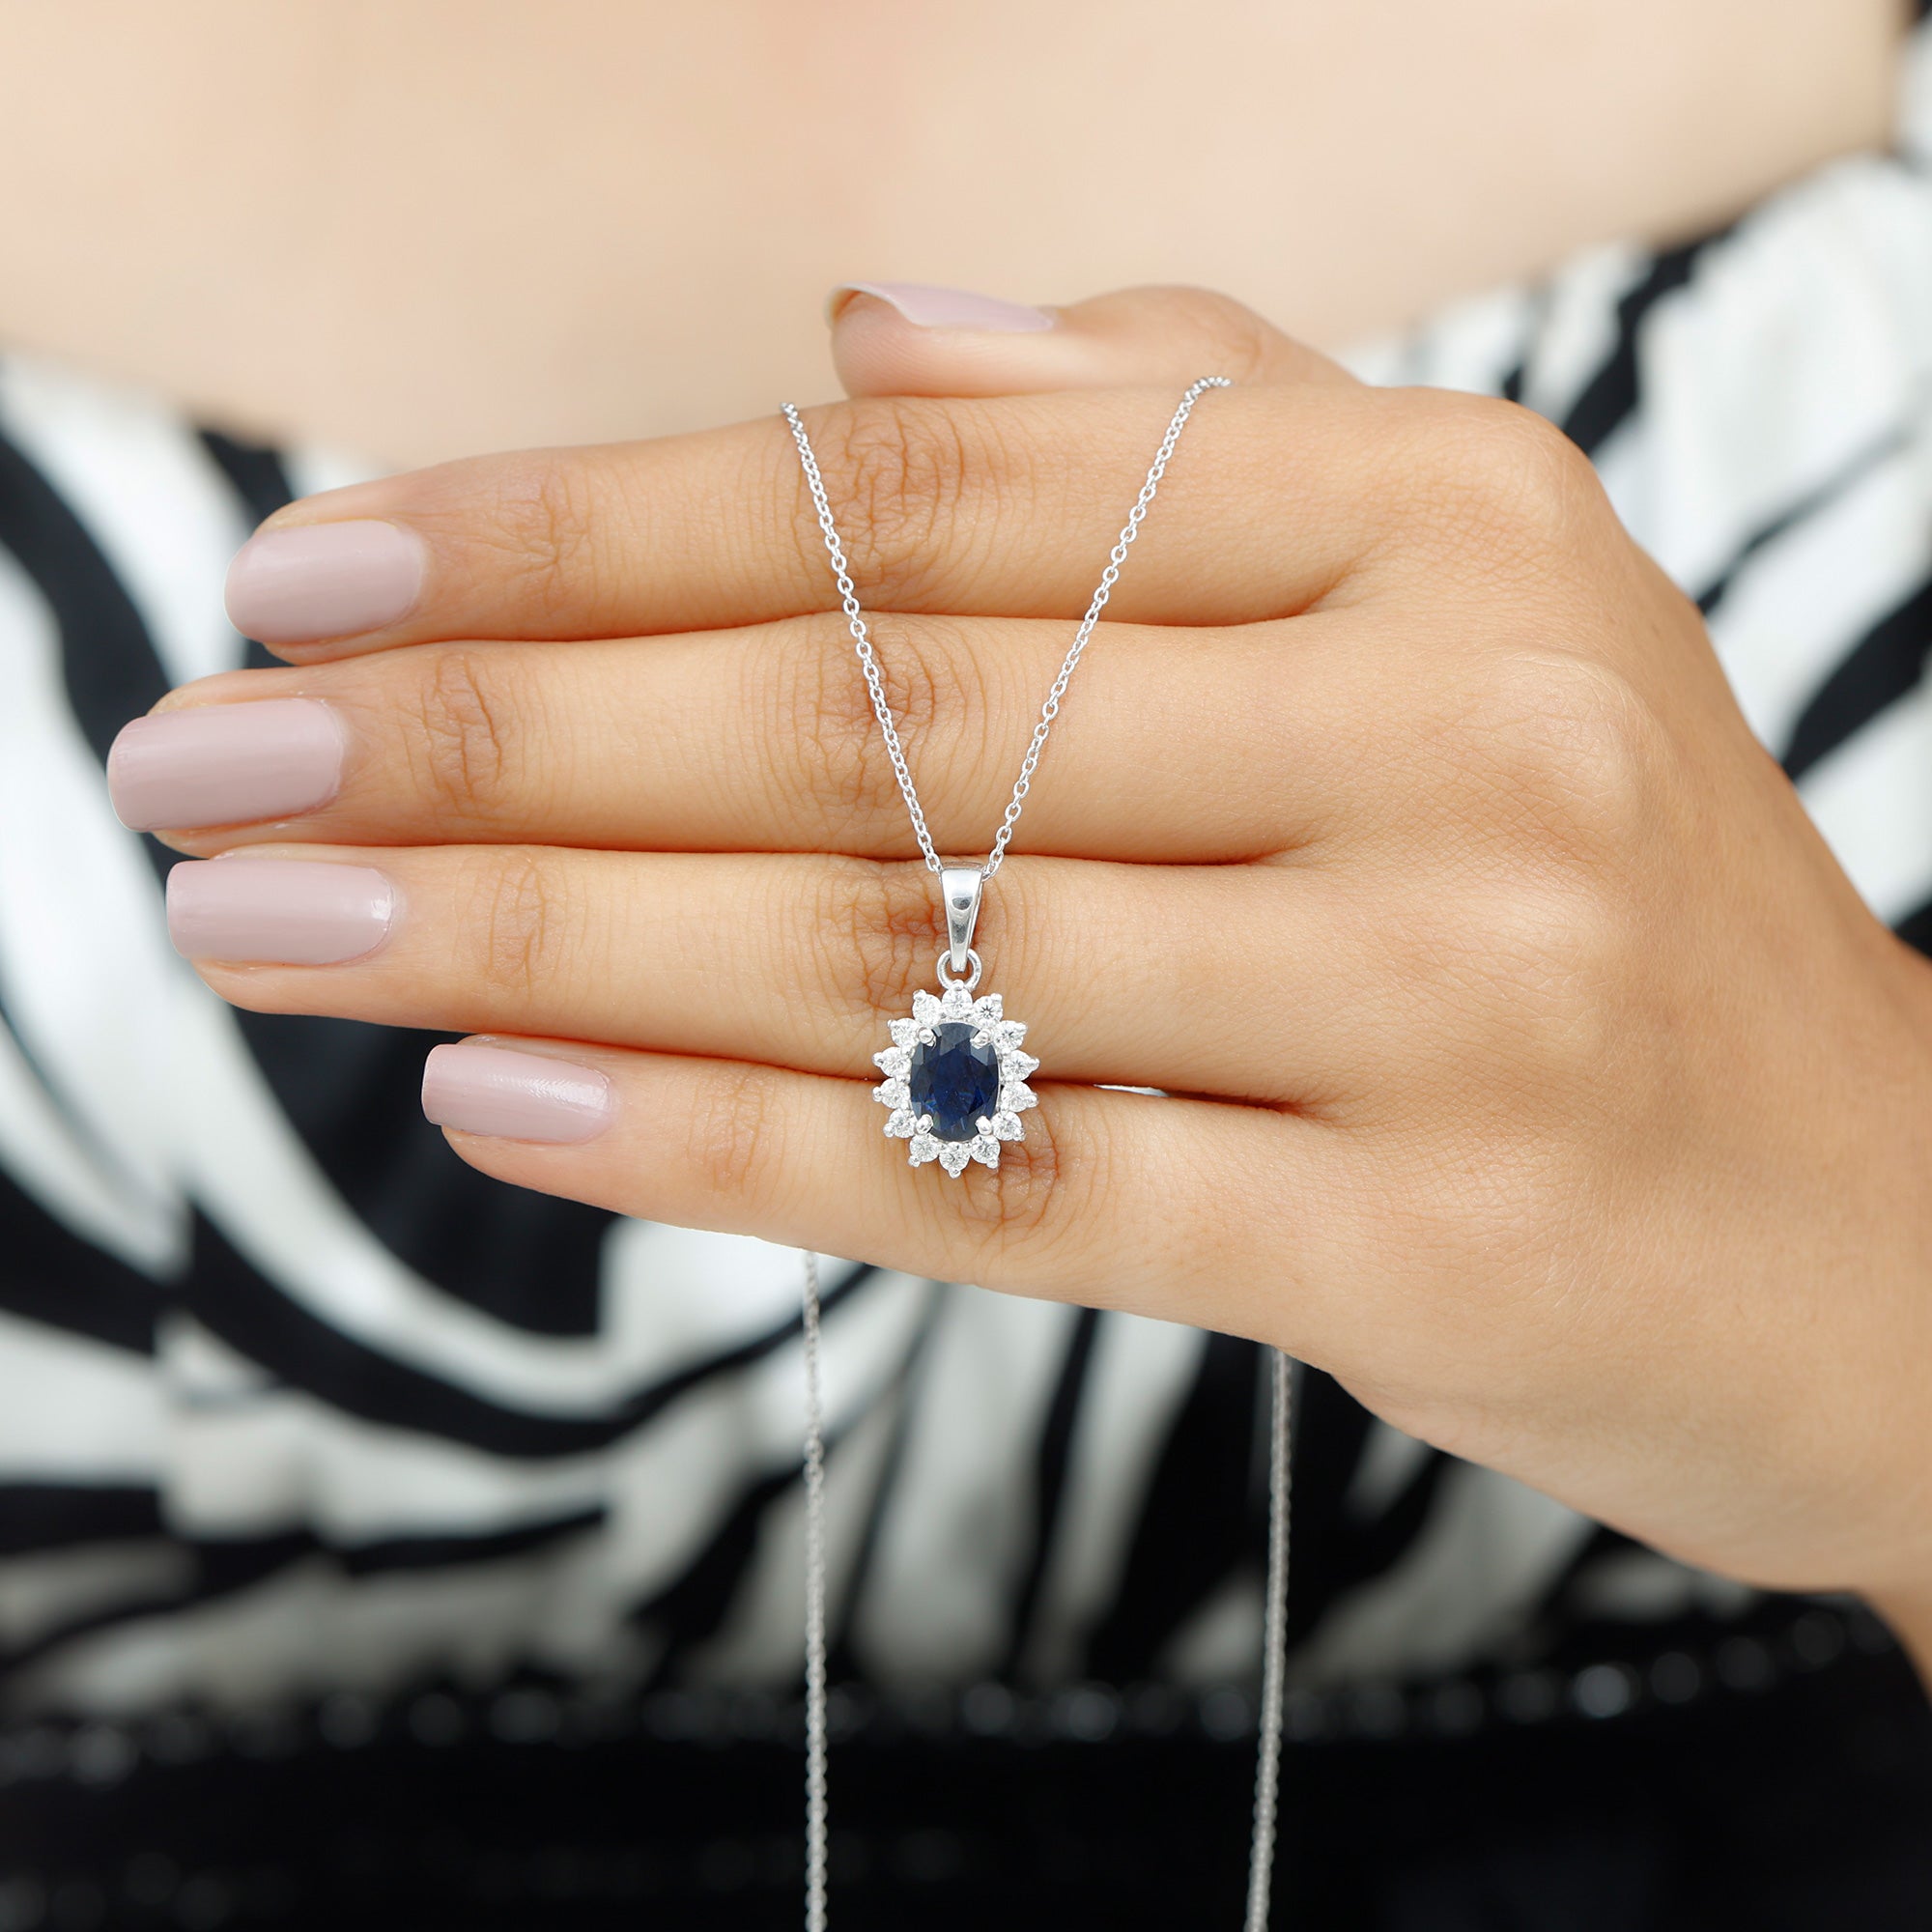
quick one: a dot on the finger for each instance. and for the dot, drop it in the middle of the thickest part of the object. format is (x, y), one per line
(909, 339)
(1135, 975)
(1107, 1200)
(764, 740)
(1276, 498)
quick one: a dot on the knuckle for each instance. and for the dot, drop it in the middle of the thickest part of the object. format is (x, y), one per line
(1515, 977)
(1537, 941)
(1239, 342)
(460, 746)
(879, 927)
(544, 523)
(818, 712)
(899, 464)
(733, 1131)
(1502, 473)
(1571, 755)
(520, 927)
(815, 716)
(932, 681)
(1539, 1001)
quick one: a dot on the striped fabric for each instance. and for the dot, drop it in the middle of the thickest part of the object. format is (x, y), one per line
(293, 1402)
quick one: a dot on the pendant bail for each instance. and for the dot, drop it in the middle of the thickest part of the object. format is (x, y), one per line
(960, 886)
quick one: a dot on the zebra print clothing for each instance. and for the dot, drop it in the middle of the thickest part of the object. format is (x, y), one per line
(300, 1415)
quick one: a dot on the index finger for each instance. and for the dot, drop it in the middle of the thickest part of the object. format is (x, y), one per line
(1002, 505)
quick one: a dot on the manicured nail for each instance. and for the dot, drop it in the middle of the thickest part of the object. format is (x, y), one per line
(931, 308)
(225, 764)
(282, 912)
(323, 580)
(480, 1089)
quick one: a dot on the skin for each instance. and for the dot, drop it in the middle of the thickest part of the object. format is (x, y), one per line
(419, 228)
(1532, 1066)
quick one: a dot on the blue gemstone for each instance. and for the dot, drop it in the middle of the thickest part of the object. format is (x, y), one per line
(954, 1081)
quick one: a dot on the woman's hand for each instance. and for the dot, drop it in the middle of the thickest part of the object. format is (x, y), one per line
(1534, 1068)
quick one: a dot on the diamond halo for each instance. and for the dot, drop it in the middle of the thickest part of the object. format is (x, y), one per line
(991, 1028)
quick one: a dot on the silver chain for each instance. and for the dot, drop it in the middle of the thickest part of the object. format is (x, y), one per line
(1274, 1639)
(1274, 1646)
(816, 1700)
(868, 658)
(1267, 1767)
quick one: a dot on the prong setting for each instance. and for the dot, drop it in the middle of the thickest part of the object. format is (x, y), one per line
(983, 1024)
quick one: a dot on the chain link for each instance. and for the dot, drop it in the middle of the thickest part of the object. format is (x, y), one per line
(868, 658)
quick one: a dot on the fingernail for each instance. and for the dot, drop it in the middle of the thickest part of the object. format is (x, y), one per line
(323, 580)
(480, 1089)
(225, 764)
(931, 308)
(282, 912)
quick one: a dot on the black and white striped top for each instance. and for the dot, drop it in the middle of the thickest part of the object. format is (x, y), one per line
(294, 1405)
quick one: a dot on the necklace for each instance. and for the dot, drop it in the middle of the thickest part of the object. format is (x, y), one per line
(955, 1085)
(956, 1076)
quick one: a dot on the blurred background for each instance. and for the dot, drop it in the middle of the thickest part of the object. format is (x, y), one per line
(420, 230)
(377, 1540)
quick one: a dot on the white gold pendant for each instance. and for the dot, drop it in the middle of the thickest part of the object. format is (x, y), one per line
(956, 1079)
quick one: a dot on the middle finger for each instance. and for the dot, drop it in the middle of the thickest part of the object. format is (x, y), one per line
(1195, 747)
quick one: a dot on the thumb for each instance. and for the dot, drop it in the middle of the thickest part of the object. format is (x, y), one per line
(911, 339)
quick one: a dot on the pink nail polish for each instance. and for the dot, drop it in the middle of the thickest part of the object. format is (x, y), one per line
(283, 912)
(480, 1089)
(931, 308)
(226, 765)
(289, 586)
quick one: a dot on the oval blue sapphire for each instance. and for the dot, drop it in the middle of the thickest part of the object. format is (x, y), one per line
(953, 1081)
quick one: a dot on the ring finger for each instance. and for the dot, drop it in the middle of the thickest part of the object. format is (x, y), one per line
(793, 960)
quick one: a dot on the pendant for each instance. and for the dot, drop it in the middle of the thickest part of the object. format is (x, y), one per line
(956, 1079)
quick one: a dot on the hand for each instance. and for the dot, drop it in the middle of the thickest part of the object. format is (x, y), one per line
(1534, 1068)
